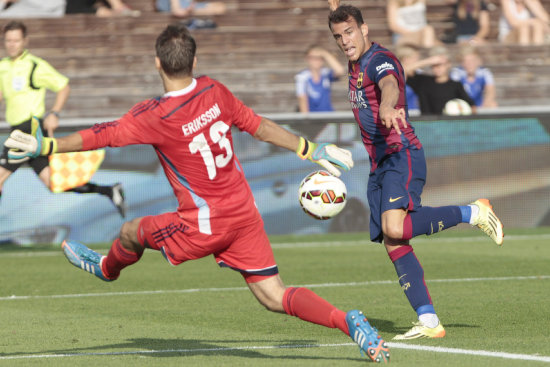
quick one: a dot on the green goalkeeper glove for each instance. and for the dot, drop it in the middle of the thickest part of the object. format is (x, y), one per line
(329, 156)
(25, 146)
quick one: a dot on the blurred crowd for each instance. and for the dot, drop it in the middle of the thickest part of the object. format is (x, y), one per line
(414, 39)
(105, 8)
(432, 79)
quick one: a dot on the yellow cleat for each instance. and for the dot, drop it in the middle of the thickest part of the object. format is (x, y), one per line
(421, 331)
(487, 221)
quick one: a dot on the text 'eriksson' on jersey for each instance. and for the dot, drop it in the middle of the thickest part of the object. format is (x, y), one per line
(201, 121)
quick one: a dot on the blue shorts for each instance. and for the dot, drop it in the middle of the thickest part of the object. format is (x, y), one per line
(396, 183)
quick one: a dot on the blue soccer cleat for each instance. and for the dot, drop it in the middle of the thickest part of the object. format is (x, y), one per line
(84, 258)
(367, 337)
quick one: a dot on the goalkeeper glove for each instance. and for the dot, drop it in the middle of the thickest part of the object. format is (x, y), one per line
(329, 156)
(25, 146)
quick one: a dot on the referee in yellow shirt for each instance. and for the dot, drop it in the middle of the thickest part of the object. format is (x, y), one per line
(24, 79)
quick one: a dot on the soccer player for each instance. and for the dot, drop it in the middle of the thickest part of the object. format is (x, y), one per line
(24, 79)
(190, 130)
(398, 165)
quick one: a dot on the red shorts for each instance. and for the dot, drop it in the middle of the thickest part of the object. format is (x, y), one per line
(245, 249)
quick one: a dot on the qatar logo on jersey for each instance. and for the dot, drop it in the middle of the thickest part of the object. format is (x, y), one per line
(357, 100)
(383, 67)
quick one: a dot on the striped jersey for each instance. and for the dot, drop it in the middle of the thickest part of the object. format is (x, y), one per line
(190, 130)
(365, 96)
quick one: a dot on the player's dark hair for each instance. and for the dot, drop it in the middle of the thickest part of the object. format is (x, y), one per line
(175, 48)
(16, 25)
(342, 13)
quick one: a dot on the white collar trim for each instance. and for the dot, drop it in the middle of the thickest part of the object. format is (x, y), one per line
(181, 92)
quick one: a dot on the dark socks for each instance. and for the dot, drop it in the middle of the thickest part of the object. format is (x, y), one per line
(90, 188)
(428, 220)
(411, 278)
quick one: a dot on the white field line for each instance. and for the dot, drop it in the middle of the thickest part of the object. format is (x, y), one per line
(503, 355)
(423, 239)
(366, 241)
(232, 289)
(423, 348)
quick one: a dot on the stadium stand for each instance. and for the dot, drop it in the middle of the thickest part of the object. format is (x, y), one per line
(255, 50)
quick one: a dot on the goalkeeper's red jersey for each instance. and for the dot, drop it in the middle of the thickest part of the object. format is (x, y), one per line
(190, 130)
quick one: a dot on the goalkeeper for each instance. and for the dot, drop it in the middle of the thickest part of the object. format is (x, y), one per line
(190, 130)
(24, 79)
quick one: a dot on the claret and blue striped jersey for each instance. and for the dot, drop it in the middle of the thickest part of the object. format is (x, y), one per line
(365, 96)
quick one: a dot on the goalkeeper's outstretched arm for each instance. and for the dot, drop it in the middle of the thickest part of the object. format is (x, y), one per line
(25, 146)
(329, 156)
(69, 143)
(270, 132)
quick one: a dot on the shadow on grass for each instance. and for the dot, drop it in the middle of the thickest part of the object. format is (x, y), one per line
(386, 326)
(156, 348)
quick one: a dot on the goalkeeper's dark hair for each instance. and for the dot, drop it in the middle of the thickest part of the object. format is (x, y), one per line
(175, 48)
(15, 25)
(342, 13)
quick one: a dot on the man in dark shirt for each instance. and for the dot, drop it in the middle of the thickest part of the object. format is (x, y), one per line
(435, 90)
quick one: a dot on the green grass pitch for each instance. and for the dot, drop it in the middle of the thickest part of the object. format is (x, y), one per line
(494, 303)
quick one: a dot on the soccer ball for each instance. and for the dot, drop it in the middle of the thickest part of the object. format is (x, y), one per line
(322, 195)
(457, 107)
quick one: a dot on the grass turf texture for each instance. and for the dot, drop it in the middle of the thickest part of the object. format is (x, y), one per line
(199, 315)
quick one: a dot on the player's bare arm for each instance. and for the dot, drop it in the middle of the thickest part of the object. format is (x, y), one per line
(390, 116)
(333, 4)
(69, 143)
(329, 156)
(270, 132)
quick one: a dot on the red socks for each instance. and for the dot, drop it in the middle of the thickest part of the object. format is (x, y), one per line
(308, 306)
(117, 259)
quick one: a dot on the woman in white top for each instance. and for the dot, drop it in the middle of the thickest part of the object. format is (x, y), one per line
(525, 22)
(407, 21)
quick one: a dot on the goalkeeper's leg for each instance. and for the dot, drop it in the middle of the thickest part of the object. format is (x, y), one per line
(124, 251)
(308, 306)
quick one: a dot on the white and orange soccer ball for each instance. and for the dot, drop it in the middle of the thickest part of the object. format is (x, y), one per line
(322, 195)
(457, 107)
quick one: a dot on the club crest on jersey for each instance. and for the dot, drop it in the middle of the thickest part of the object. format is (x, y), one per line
(360, 80)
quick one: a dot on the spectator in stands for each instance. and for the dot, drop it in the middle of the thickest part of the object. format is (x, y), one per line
(101, 8)
(435, 90)
(409, 56)
(32, 8)
(524, 22)
(313, 84)
(478, 81)
(407, 20)
(189, 8)
(471, 20)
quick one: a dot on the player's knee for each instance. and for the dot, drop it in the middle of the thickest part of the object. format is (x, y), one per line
(128, 236)
(393, 230)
